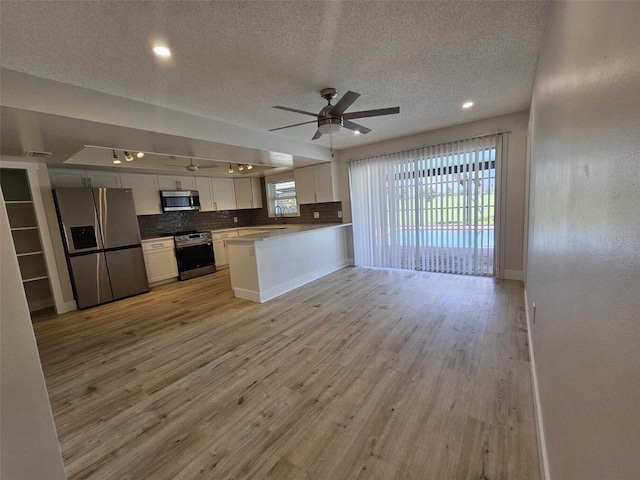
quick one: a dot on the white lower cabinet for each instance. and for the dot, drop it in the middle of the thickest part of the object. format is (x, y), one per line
(160, 260)
(220, 247)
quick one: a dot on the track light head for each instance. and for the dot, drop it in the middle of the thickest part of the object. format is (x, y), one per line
(128, 157)
(230, 168)
(116, 160)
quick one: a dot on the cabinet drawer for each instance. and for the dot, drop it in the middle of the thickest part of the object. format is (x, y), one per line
(155, 245)
(224, 235)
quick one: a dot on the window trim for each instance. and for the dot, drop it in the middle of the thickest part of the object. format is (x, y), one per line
(287, 177)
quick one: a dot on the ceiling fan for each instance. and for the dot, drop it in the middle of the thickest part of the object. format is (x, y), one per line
(332, 118)
(191, 167)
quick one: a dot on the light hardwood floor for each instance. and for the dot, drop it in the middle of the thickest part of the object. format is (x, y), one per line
(363, 374)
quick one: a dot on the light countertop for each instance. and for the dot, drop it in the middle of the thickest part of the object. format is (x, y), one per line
(283, 231)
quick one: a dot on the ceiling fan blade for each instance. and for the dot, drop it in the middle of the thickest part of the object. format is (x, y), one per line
(371, 113)
(294, 125)
(177, 166)
(296, 111)
(344, 103)
(354, 126)
(317, 135)
(206, 166)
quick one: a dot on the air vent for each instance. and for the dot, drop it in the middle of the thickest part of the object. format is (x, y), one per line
(33, 154)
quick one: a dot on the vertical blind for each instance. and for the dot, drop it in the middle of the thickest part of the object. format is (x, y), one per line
(431, 208)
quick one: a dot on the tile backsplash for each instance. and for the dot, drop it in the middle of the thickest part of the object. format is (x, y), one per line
(171, 222)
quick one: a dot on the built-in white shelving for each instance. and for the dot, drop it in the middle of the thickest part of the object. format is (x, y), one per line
(26, 237)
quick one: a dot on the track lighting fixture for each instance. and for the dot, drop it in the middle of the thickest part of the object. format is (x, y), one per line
(240, 167)
(230, 168)
(140, 154)
(128, 157)
(116, 160)
(249, 166)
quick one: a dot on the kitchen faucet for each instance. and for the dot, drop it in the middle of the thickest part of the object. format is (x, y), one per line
(275, 213)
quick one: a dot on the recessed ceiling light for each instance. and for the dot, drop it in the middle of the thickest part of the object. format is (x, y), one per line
(140, 154)
(467, 105)
(161, 51)
(356, 132)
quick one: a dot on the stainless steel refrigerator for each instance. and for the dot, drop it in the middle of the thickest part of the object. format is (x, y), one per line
(102, 243)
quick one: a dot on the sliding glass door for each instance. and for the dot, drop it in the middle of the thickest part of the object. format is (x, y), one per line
(432, 208)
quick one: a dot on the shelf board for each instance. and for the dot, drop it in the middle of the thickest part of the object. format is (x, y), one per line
(13, 202)
(26, 254)
(34, 279)
(17, 229)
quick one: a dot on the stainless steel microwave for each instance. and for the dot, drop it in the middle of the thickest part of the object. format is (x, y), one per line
(177, 200)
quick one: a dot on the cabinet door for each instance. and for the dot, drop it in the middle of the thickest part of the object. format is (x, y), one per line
(220, 253)
(256, 192)
(224, 194)
(146, 192)
(168, 182)
(103, 179)
(305, 185)
(323, 183)
(160, 265)
(203, 185)
(244, 197)
(67, 178)
(186, 183)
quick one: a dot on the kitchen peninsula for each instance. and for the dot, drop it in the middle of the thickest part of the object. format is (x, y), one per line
(268, 264)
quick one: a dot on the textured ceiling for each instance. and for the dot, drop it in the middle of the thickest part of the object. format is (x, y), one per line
(232, 61)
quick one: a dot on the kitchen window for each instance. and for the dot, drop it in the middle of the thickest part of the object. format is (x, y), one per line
(281, 192)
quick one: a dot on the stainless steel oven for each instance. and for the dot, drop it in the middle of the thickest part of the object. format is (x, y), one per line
(194, 252)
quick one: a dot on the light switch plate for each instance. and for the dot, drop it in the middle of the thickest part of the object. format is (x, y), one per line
(339, 213)
(316, 214)
(235, 219)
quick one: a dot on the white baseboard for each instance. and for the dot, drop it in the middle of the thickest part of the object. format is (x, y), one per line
(276, 291)
(66, 307)
(514, 275)
(163, 282)
(247, 294)
(542, 445)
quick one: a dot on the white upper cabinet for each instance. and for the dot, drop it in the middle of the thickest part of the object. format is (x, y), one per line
(146, 192)
(63, 178)
(315, 184)
(203, 185)
(224, 193)
(216, 194)
(248, 192)
(176, 182)
(103, 179)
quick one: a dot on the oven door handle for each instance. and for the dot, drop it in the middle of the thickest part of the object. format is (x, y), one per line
(195, 244)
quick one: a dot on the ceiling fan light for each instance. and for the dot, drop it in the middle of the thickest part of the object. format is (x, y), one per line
(356, 132)
(128, 157)
(140, 154)
(330, 126)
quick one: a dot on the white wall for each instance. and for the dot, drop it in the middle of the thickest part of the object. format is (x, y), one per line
(584, 239)
(515, 171)
(28, 441)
